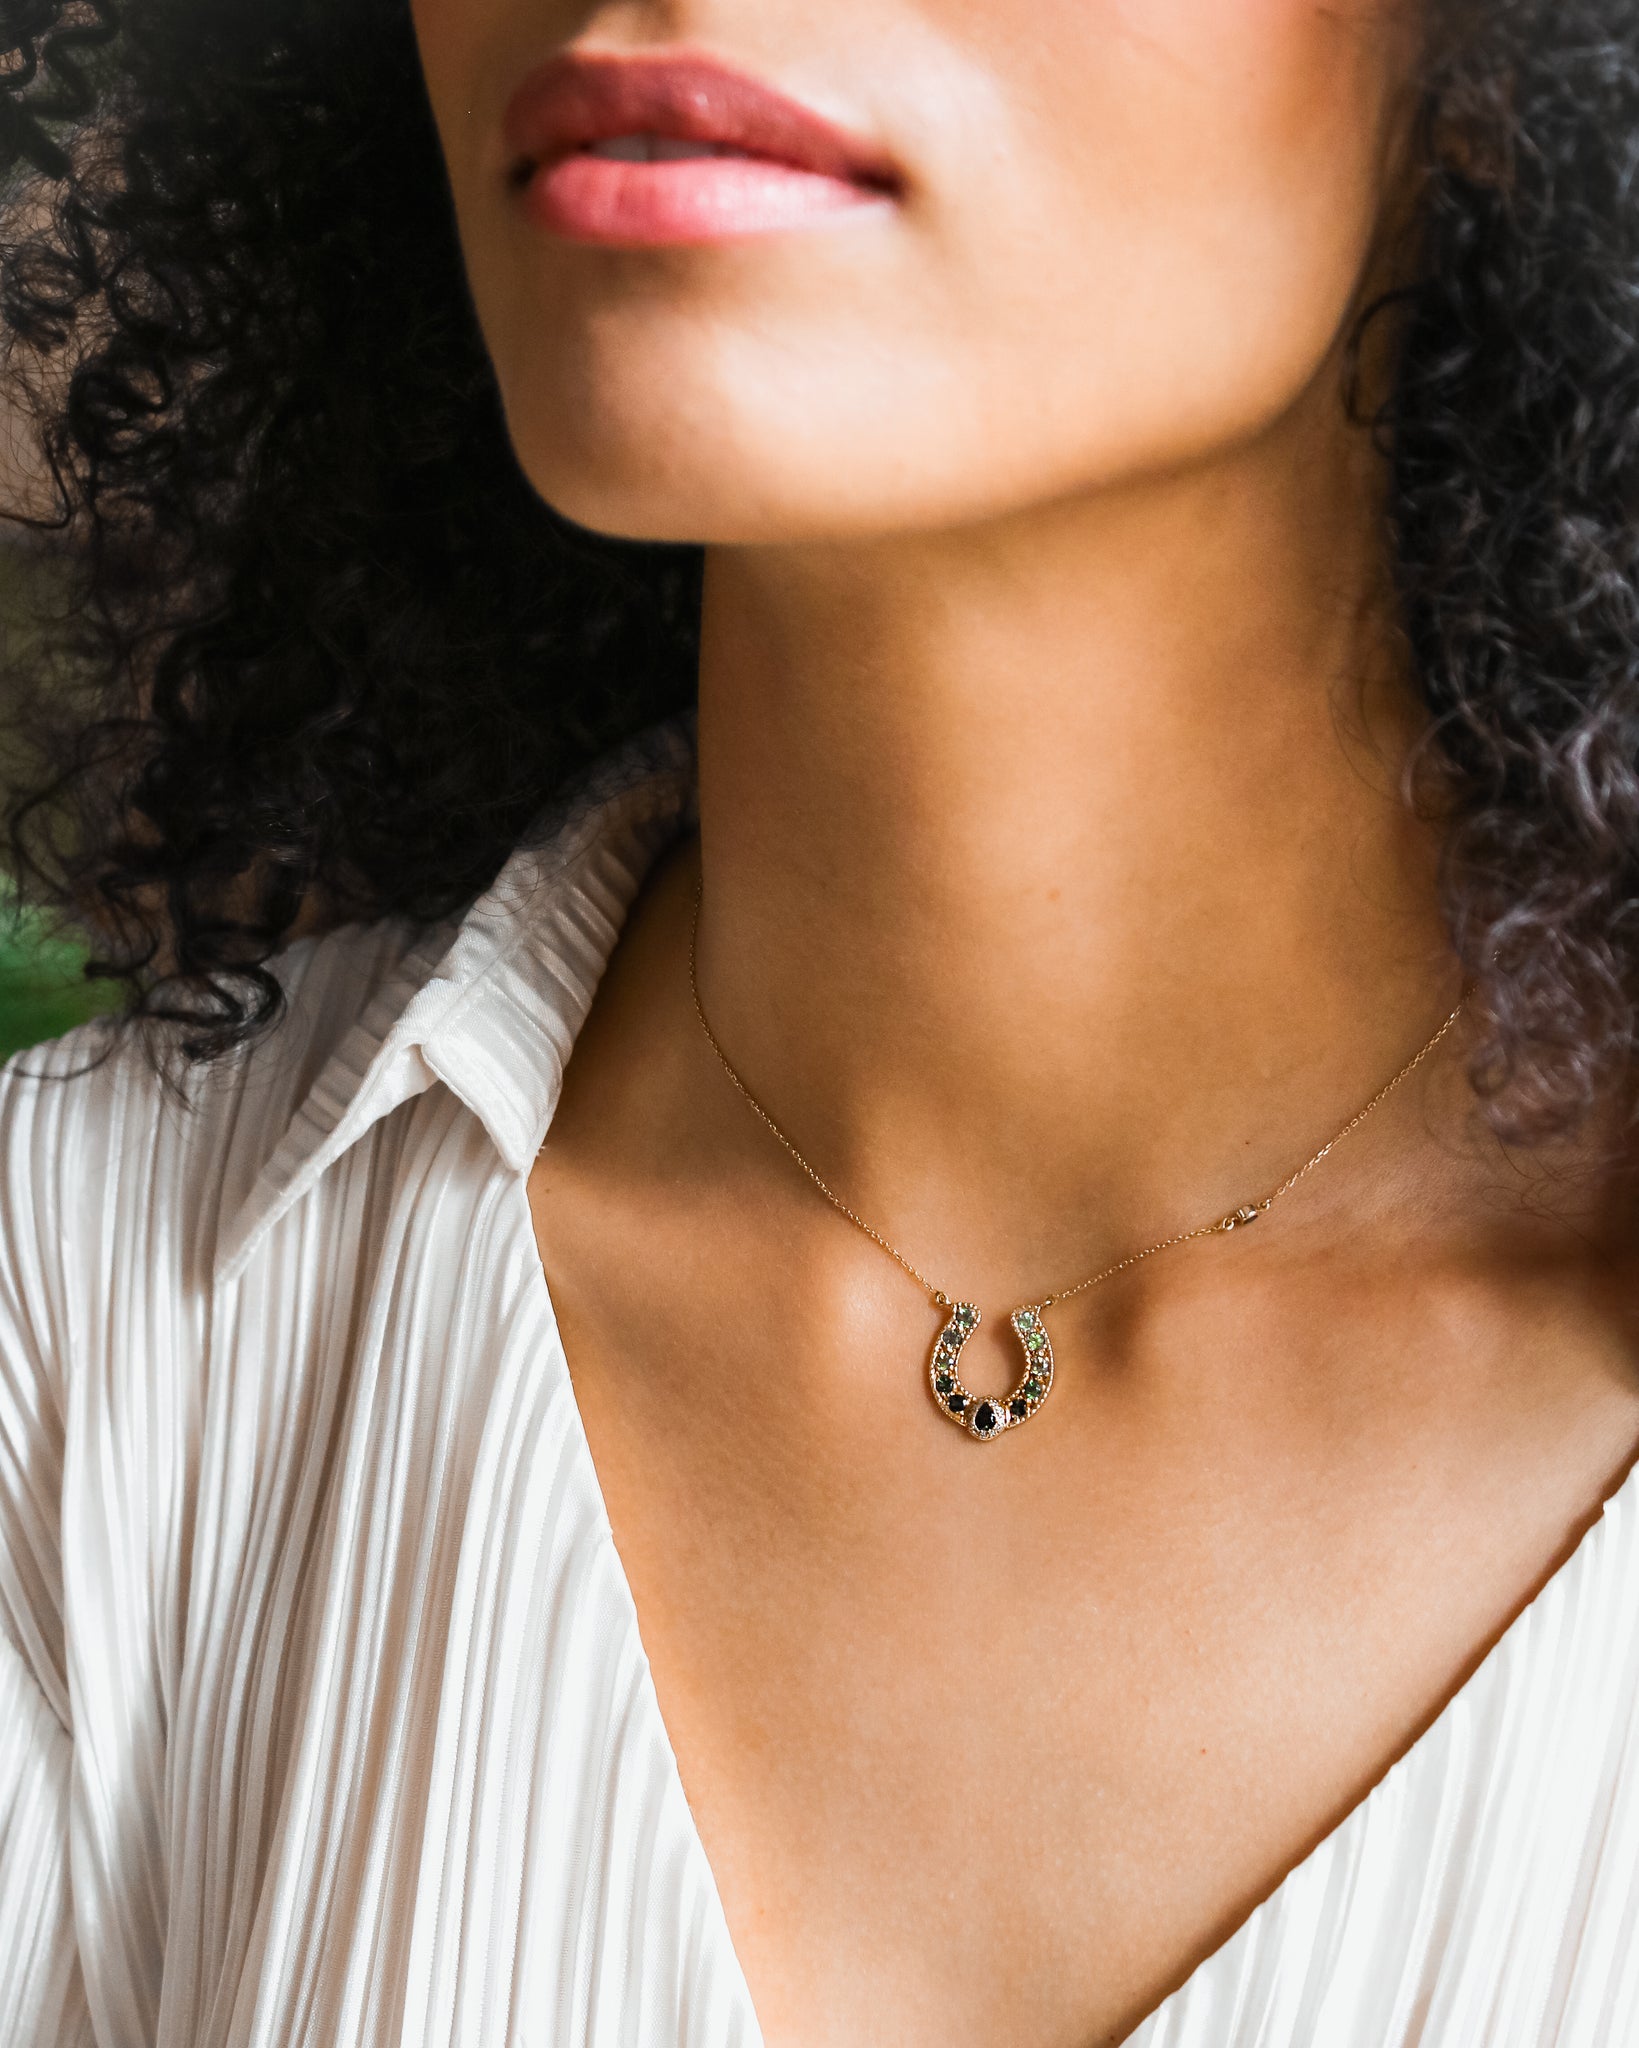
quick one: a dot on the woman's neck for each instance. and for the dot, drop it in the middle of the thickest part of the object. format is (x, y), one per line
(1068, 856)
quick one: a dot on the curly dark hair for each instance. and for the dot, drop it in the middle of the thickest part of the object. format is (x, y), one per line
(319, 651)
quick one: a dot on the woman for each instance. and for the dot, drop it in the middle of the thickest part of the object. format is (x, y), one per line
(990, 1399)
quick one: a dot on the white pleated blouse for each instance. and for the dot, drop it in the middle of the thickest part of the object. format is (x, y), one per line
(324, 1717)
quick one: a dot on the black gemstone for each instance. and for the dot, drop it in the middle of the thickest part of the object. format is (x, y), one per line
(1019, 1410)
(944, 1383)
(987, 1418)
(957, 1404)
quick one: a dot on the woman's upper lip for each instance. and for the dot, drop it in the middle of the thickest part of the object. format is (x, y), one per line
(579, 99)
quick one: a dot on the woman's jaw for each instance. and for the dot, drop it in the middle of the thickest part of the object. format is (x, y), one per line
(943, 271)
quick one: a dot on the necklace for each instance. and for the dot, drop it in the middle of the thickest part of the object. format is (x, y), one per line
(986, 1418)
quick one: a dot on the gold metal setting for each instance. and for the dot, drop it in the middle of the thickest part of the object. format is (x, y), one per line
(985, 1417)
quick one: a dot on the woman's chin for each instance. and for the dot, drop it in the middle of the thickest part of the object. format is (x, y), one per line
(628, 472)
(666, 511)
(711, 500)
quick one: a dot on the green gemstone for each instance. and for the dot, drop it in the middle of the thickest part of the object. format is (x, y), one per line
(1034, 1390)
(944, 1383)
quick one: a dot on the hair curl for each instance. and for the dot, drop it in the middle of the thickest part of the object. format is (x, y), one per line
(319, 644)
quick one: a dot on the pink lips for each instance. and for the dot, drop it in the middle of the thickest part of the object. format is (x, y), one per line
(604, 152)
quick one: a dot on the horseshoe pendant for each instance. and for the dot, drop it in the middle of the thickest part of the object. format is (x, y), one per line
(982, 1417)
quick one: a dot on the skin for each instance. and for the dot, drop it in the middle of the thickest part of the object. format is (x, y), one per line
(1058, 897)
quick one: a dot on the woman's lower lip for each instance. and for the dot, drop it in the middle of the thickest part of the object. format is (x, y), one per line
(696, 200)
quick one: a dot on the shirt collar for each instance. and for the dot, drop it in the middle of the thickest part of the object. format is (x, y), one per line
(494, 1014)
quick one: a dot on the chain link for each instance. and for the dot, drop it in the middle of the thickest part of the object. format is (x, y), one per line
(1237, 1219)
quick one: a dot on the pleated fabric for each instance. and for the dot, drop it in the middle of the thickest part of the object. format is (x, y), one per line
(324, 1715)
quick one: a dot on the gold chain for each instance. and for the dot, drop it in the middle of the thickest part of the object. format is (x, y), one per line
(1237, 1219)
